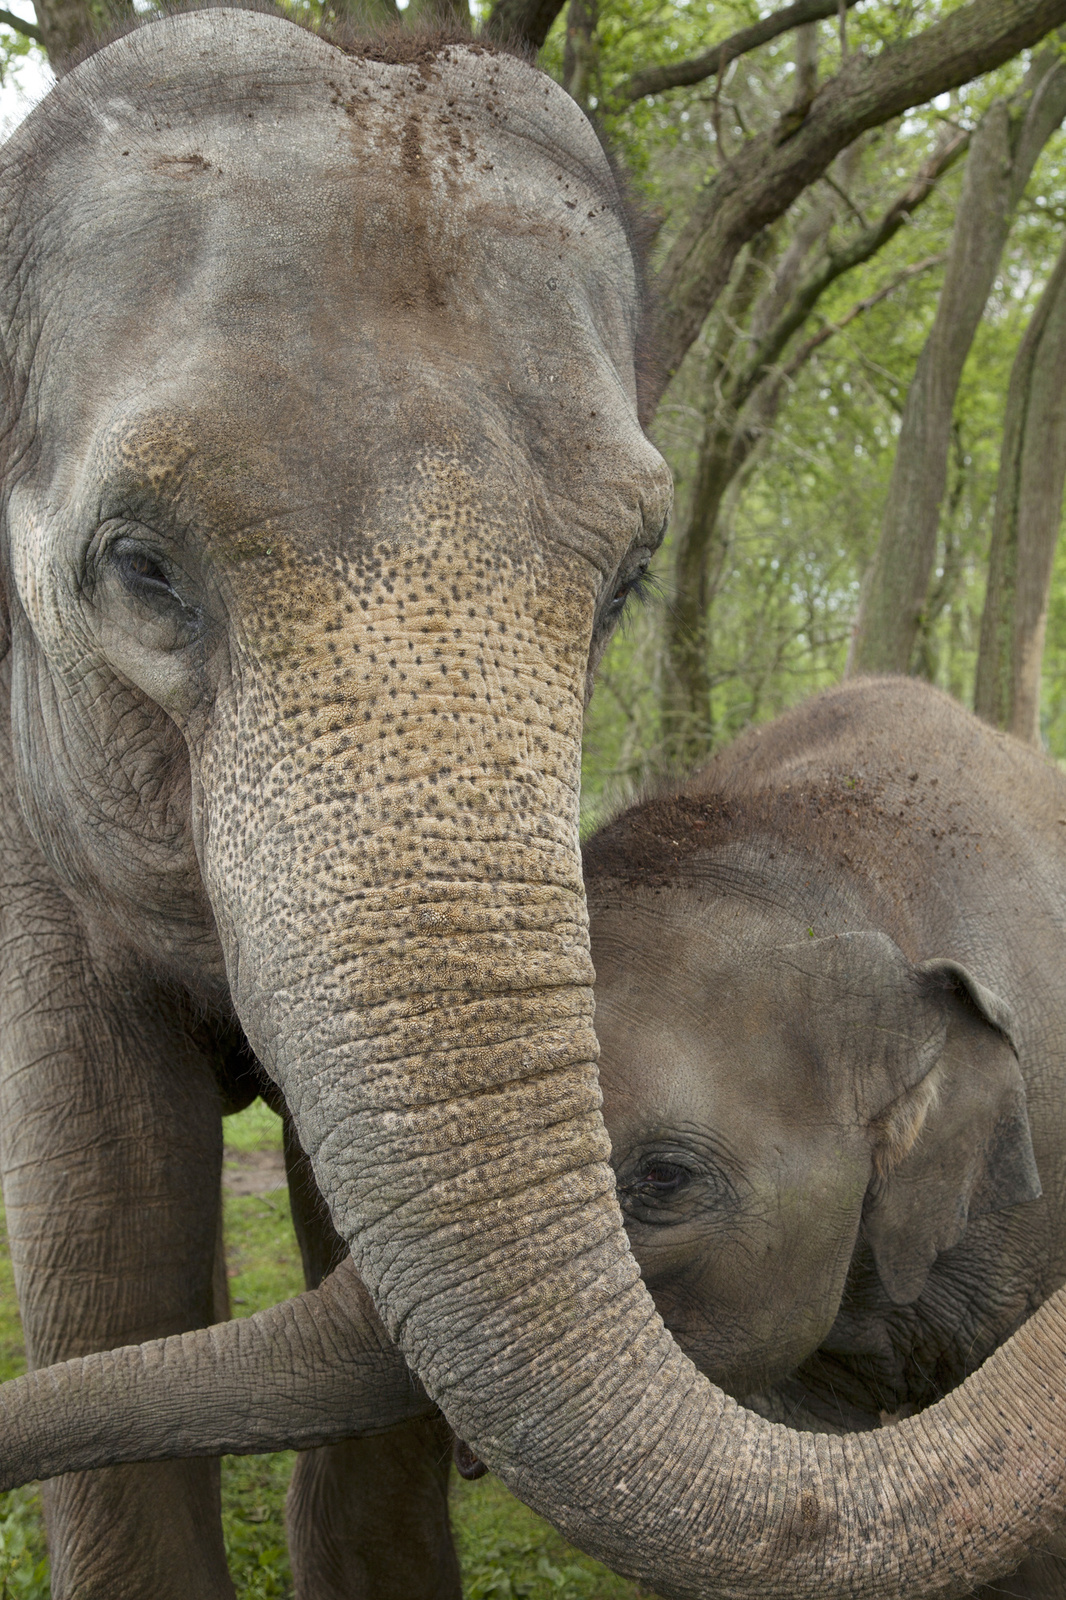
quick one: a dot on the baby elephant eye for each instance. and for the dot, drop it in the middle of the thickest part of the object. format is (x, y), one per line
(662, 1178)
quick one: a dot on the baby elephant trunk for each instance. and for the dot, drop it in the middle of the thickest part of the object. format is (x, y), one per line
(311, 1371)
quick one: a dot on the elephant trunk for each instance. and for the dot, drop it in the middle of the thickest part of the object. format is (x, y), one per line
(310, 1371)
(317, 1369)
(424, 1001)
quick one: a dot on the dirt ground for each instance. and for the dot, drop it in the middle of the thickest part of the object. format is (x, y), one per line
(253, 1171)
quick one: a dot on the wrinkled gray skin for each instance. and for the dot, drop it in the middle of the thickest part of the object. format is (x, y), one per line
(323, 484)
(322, 487)
(830, 1007)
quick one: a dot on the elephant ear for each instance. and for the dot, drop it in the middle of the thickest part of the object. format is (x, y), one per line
(956, 1143)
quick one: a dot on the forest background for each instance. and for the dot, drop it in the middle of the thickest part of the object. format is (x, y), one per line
(855, 213)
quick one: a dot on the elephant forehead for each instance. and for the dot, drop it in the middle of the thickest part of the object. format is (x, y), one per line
(462, 198)
(351, 269)
(700, 998)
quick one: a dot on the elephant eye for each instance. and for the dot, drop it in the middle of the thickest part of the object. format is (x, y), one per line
(648, 1190)
(637, 582)
(142, 575)
(660, 1178)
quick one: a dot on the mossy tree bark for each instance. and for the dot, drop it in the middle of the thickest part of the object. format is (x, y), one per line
(1025, 529)
(1002, 155)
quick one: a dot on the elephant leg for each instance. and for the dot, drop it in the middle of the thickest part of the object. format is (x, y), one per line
(110, 1144)
(367, 1519)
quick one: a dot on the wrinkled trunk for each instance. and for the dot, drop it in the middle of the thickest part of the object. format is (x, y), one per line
(406, 938)
(656, 1470)
(310, 1371)
(1002, 154)
(1025, 529)
(433, 1036)
(322, 1371)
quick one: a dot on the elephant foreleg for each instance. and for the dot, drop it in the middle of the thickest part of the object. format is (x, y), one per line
(367, 1519)
(111, 1153)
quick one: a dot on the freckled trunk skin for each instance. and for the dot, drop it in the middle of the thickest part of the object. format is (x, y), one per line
(384, 737)
(422, 994)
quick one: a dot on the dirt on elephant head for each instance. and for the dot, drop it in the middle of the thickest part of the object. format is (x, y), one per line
(657, 842)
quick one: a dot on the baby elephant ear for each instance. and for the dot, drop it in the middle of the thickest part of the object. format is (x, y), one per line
(970, 1154)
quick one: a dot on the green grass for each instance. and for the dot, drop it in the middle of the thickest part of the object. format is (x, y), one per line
(255, 1129)
(506, 1553)
(23, 1558)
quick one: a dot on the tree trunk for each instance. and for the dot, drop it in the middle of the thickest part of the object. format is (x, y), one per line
(699, 554)
(434, 13)
(579, 54)
(1025, 530)
(1002, 154)
(522, 24)
(688, 726)
(68, 27)
(362, 15)
(806, 64)
(743, 407)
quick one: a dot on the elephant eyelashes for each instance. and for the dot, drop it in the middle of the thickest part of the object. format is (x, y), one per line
(142, 575)
(639, 584)
(662, 1178)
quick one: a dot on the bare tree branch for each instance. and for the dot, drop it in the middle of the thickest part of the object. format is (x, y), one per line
(29, 30)
(766, 176)
(837, 262)
(809, 346)
(654, 80)
(842, 194)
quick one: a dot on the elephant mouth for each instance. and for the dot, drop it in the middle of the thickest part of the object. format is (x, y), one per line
(467, 1464)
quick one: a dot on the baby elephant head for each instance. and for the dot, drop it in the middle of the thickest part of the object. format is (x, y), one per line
(767, 1095)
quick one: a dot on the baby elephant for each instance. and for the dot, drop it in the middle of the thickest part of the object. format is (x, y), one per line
(831, 1003)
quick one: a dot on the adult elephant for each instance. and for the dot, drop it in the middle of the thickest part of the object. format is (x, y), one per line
(322, 488)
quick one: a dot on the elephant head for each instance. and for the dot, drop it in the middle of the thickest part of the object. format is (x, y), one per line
(323, 486)
(769, 1093)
